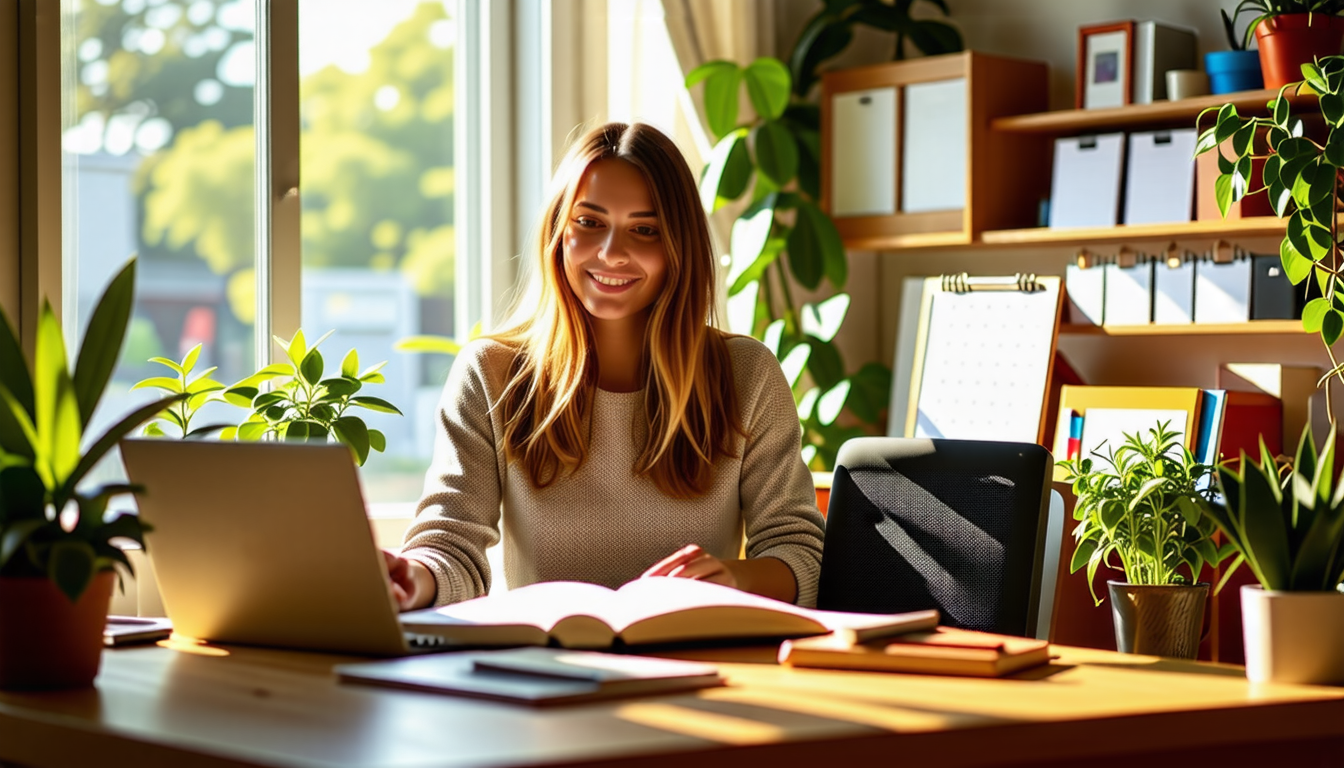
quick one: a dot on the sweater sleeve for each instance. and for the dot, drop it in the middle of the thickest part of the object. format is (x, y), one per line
(779, 502)
(458, 515)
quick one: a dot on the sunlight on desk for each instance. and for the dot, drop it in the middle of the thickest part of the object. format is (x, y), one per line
(185, 644)
(714, 726)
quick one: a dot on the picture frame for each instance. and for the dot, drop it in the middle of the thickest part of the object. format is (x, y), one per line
(1105, 76)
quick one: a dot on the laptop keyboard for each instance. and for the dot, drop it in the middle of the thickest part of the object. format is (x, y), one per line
(420, 641)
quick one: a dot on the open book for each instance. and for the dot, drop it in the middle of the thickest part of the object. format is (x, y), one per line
(644, 611)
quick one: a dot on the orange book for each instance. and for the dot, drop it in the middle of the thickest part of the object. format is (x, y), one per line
(942, 651)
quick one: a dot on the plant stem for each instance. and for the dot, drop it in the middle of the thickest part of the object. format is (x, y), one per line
(790, 314)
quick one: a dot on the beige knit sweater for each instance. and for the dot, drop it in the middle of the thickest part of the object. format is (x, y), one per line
(604, 524)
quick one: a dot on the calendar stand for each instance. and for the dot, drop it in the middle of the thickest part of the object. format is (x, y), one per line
(984, 356)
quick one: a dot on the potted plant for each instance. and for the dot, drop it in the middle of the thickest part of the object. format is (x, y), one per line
(1291, 33)
(300, 404)
(1286, 524)
(1138, 504)
(1236, 69)
(57, 559)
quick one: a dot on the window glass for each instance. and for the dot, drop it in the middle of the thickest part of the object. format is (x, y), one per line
(376, 147)
(158, 161)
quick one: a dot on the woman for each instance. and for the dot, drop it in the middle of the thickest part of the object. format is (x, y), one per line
(610, 420)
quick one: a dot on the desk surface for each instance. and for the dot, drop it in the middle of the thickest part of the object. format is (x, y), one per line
(183, 706)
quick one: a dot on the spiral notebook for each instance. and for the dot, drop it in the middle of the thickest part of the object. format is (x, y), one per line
(983, 358)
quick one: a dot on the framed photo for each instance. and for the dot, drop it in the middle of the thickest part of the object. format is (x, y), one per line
(1105, 65)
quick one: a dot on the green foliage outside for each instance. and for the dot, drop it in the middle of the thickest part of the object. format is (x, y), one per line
(1140, 503)
(45, 410)
(376, 146)
(783, 238)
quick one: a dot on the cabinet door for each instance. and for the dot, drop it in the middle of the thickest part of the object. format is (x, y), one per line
(933, 166)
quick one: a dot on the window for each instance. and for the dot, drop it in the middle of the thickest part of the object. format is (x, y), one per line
(159, 158)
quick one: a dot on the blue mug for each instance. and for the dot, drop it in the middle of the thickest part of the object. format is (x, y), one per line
(1232, 71)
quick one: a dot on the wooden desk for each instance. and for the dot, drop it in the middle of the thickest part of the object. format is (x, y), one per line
(157, 706)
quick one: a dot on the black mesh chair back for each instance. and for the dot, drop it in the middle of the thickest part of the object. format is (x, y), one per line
(957, 525)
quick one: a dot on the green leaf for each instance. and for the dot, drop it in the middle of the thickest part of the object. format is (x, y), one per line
(820, 40)
(298, 431)
(823, 320)
(311, 369)
(374, 404)
(1313, 315)
(1331, 327)
(934, 37)
(756, 270)
(808, 403)
(16, 534)
(794, 363)
(70, 566)
(1332, 108)
(122, 428)
(162, 382)
(728, 173)
(1315, 78)
(252, 430)
(350, 364)
(703, 71)
(1241, 140)
(352, 431)
(870, 392)
(750, 233)
(1334, 148)
(14, 374)
(1296, 266)
(1208, 139)
(721, 100)
(1222, 192)
(1082, 554)
(342, 386)
(772, 336)
(825, 364)
(776, 153)
(1229, 122)
(377, 441)
(102, 341)
(832, 402)
(768, 85)
(170, 363)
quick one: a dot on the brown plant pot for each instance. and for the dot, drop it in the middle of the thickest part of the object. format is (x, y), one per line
(45, 640)
(1158, 620)
(1293, 39)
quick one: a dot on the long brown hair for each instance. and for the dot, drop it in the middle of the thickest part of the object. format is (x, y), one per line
(689, 399)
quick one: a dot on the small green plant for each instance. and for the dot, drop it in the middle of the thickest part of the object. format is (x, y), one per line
(1285, 522)
(1141, 503)
(302, 405)
(1299, 177)
(48, 527)
(198, 390)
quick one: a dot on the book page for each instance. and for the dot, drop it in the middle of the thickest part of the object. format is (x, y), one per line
(543, 605)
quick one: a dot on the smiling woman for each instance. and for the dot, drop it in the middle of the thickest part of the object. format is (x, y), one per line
(620, 431)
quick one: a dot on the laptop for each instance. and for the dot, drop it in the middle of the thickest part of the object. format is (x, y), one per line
(266, 543)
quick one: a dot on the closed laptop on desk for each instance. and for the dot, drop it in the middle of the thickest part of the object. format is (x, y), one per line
(264, 544)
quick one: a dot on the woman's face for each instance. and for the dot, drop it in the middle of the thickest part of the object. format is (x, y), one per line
(613, 243)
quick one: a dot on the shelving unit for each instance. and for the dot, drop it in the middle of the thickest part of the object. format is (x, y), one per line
(1159, 114)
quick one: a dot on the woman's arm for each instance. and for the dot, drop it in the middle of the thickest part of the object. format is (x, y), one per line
(458, 515)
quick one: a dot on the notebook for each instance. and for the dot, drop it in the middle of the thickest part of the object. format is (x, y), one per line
(535, 676)
(266, 544)
(943, 651)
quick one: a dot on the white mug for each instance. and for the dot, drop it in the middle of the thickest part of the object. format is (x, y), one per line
(1184, 83)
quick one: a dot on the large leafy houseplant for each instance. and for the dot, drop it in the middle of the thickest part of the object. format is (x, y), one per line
(299, 403)
(49, 527)
(782, 238)
(1300, 177)
(1139, 504)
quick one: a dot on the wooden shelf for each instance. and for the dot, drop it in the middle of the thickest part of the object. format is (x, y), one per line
(1267, 327)
(1156, 115)
(1258, 226)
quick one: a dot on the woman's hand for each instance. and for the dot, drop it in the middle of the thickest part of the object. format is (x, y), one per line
(692, 562)
(411, 584)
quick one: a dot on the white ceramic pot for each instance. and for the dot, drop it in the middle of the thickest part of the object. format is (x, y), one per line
(1293, 637)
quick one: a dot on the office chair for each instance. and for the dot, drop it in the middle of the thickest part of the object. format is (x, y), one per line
(957, 525)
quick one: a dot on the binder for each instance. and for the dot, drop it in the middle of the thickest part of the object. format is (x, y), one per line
(1085, 284)
(1129, 291)
(1160, 177)
(1174, 291)
(1085, 181)
(984, 358)
(1223, 290)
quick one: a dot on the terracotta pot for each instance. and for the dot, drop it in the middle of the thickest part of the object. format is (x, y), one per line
(1158, 620)
(45, 640)
(1293, 637)
(1291, 40)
